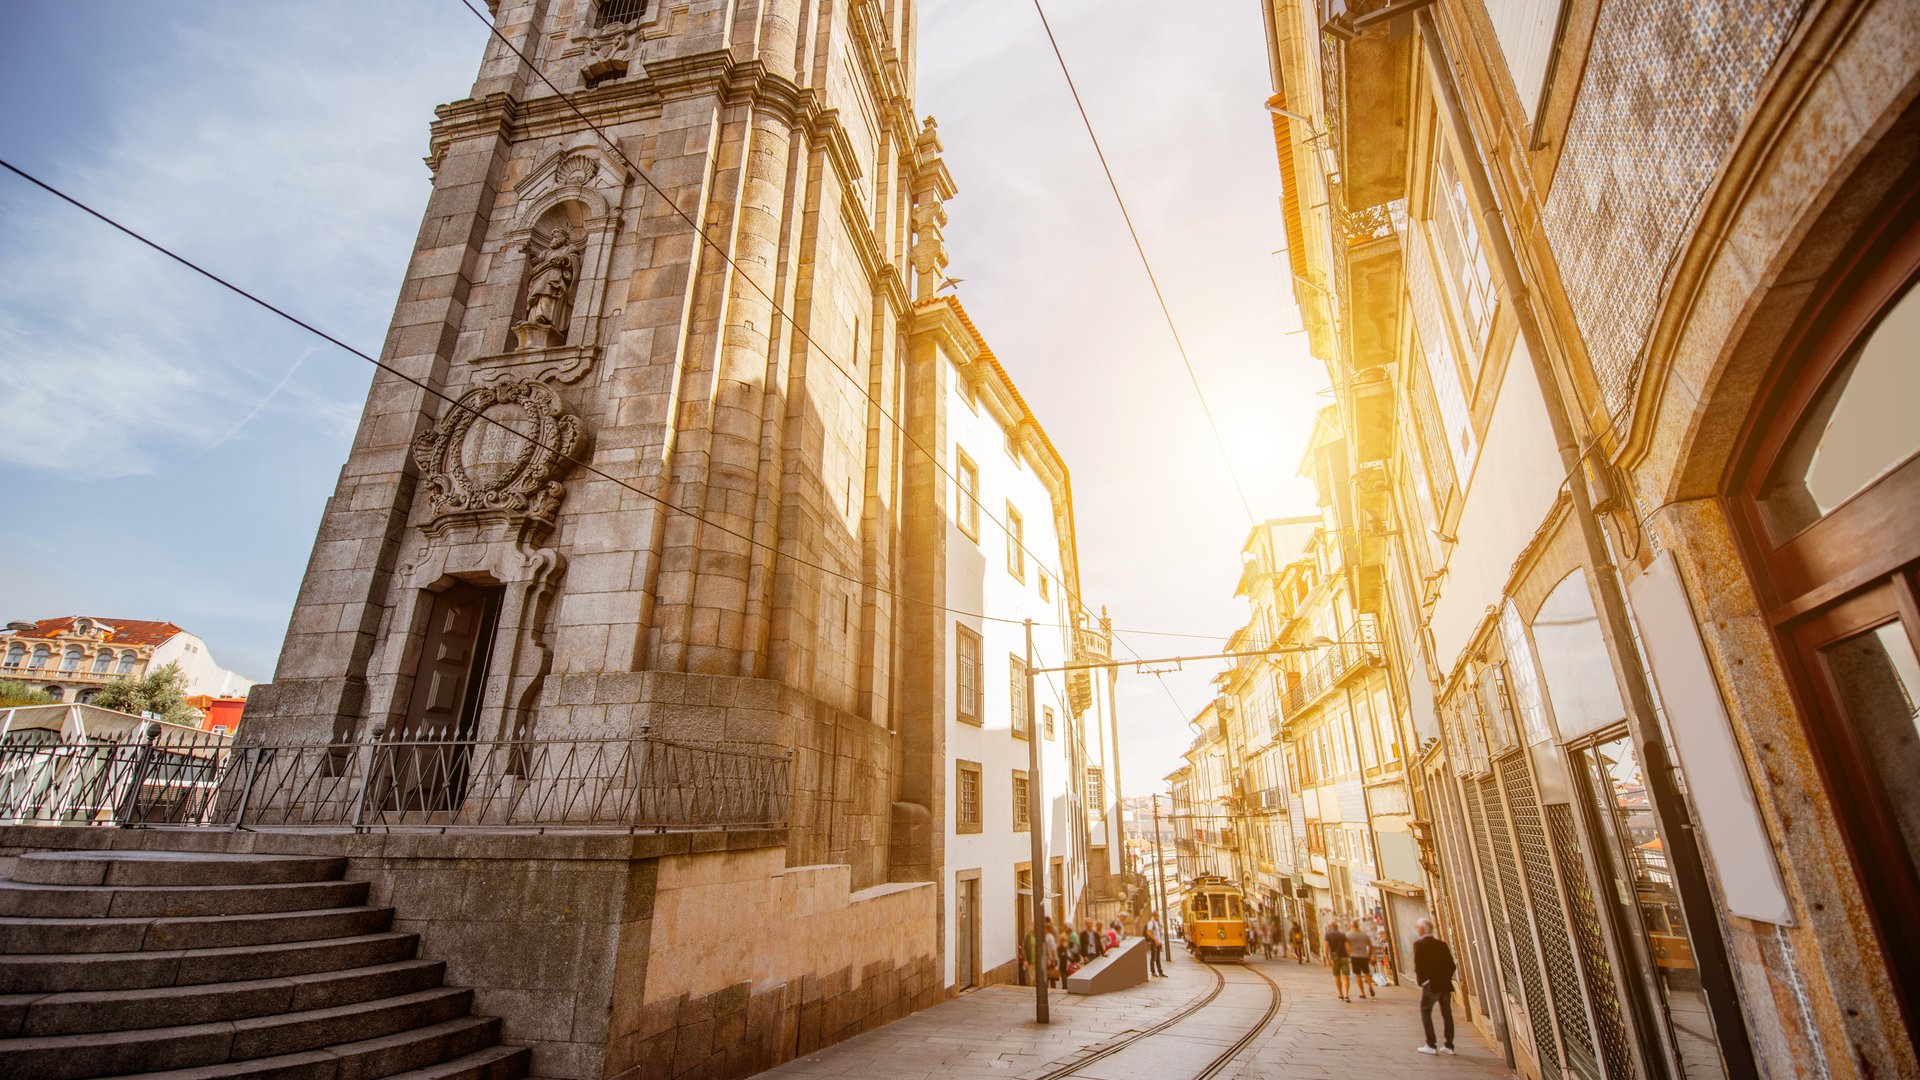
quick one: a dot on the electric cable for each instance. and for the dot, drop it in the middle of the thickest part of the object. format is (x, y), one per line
(532, 439)
(1147, 265)
(720, 250)
(478, 415)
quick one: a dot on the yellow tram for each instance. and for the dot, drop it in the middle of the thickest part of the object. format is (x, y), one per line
(1213, 919)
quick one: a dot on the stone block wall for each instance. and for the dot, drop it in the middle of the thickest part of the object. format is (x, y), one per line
(601, 951)
(753, 963)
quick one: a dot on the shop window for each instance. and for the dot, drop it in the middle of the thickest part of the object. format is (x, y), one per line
(1574, 662)
(1635, 857)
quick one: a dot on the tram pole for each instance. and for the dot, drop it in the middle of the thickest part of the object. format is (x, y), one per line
(1160, 871)
(1036, 823)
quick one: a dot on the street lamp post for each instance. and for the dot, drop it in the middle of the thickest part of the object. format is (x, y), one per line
(1160, 871)
(1036, 821)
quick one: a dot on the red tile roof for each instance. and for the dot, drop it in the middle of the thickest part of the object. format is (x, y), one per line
(121, 631)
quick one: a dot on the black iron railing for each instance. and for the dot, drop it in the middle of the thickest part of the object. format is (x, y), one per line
(202, 779)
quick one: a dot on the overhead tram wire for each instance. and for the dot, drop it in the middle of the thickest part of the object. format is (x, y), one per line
(1146, 264)
(726, 257)
(533, 440)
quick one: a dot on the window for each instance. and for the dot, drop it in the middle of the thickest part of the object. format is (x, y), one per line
(1043, 586)
(1096, 790)
(102, 660)
(41, 654)
(1388, 731)
(619, 11)
(126, 663)
(1020, 805)
(1016, 545)
(16, 654)
(966, 499)
(1017, 692)
(1438, 363)
(966, 789)
(70, 659)
(966, 674)
(1855, 431)
(1465, 261)
(1046, 720)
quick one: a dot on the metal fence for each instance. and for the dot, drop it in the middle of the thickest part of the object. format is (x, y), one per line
(152, 778)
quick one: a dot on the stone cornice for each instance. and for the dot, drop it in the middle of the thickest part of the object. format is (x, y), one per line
(713, 74)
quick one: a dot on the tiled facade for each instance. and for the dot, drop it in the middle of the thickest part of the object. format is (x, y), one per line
(1668, 88)
(1638, 820)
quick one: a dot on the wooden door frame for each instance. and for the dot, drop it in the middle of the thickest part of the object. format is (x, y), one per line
(1813, 585)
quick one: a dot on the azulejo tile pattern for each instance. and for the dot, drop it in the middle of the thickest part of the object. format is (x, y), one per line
(1668, 85)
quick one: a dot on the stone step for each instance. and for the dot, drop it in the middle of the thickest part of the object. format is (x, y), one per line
(50, 973)
(466, 1039)
(119, 1010)
(76, 1057)
(37, 901)
(23, 935)
(172, 868)
(493, 1063)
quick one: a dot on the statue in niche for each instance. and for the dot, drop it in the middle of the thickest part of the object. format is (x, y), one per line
(554, 259)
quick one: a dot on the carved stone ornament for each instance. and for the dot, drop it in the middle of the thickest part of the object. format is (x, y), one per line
(577, 170)
(499, 453)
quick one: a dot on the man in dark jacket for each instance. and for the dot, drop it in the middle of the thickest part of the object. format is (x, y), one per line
(1433, 969)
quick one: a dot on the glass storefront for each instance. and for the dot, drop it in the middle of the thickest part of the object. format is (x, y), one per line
(1645, 891)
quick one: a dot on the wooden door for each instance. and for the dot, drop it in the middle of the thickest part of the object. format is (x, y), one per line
(452, 665)
(425, 769)
(1860, 662)
(966, 933)
(1826, 499)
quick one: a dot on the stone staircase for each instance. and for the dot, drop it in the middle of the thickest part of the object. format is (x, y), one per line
(192, 966)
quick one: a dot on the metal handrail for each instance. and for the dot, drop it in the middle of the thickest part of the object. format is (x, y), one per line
(435, 781)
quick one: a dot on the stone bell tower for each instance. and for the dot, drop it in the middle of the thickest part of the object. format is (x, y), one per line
(692, 313)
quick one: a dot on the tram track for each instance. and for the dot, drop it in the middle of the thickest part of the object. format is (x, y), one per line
(1212, 1068)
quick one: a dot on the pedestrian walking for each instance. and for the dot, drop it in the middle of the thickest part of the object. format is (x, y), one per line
(1336, 942)
(1056, 973)
(1360, 959)
(1299, 942)
(1156, 944)
(1433, 969)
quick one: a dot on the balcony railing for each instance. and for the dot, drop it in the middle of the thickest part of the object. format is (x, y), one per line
(1359, 644)
(544, 785)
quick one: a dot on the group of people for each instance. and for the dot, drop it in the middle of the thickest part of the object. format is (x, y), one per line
(1349, 955)
(1067, 951)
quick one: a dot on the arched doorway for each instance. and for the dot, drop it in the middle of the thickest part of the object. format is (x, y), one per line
(1825, 497)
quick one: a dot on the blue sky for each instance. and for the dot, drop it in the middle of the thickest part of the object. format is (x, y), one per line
(169, 447)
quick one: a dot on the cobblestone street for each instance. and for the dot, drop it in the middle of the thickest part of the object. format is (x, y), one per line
(991, 1033)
